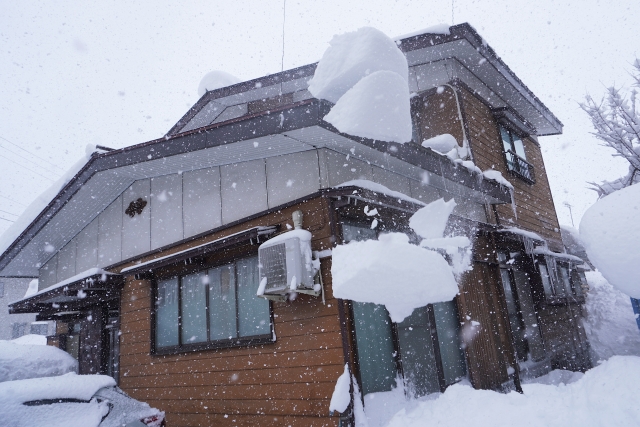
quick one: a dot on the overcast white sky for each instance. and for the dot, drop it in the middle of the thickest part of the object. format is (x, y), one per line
(119, 73)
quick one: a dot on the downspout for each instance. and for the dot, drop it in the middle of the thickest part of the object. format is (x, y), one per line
(465, 141)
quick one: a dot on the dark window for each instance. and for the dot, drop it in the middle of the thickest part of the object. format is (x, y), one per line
(561, 281)
(39, 328)
(217, 307)
(18, 329)
(425, 347)
(515, 156)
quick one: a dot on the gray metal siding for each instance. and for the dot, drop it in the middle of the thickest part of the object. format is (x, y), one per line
(166, 210)
(201, 200)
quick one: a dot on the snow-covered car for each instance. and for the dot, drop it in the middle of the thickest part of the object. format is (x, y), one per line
(72, 400)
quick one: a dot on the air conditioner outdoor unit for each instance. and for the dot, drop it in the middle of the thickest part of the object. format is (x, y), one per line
(286, 266)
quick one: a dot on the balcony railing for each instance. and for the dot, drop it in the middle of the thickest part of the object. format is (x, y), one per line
(520, 167)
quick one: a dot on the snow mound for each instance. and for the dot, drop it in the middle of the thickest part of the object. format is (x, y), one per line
(610, 230)
(215, 80)
(429, 222)
(497, 176)
(604, 396)
(377, 107)
(434, 29)
(70, 386)
(610, 322)
(20, 361)
(352, 56)
(442, 143)
(393, 272)
(341, 396)
(31, 339)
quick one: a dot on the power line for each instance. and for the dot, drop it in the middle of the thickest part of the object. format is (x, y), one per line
(8, 220)
(31, 170)
(29, 160)
(33, 154)
(14, 201)
(9, 213)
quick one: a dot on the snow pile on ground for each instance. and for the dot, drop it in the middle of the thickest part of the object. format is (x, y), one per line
(352, 56)
(365, 74)
(610, 322)
(215, 80)
(30, 339)
(23, 361)
(377, 107)
(604, 396)
(70, 386)
(400, 275)
(610, 230)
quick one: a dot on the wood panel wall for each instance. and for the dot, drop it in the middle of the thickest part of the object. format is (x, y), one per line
(289, 382)
(533, 202)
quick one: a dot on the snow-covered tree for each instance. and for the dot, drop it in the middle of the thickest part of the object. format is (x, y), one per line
(616, 119)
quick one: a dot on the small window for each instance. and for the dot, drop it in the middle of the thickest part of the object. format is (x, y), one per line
(515, 155)
(560, 280)
(213, 308)
(18, 329)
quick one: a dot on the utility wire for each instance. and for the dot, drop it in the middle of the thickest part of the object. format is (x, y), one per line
(284, 16)
(31, 170)
(8, 220)
(9, 213)
(14, 201)
(29, 160)
(33, 154)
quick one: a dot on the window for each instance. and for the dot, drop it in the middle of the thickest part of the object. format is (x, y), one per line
(515, 155)
(38, 328)
(18, 329)
(213, 308)
(523, 318)
(424, 348)
(561, 281)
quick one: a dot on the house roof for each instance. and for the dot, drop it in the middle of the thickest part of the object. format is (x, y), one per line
(297, 126)
(434, 59)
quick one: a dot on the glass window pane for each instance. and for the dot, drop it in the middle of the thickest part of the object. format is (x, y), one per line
(194, 308)
(375, 347)
(529, 316)
(580, 280)
(448, 329)
(253, 312)
(517, 328)
(519, 147)
(417, 355)
(546, 280)
(357, 233)
(222, 303)
(506, 139)
(167, 313)
(564, 284)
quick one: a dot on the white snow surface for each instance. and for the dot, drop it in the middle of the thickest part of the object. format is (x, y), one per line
(215, 80)
(522, 232)
(379, 188)
(497, 176)
(32, 289)
(341, 396)
(610, 323)
(39, 203)
(80, 276)
(434, 29)
(377, 107)
(19, 360)
(430, 221)
(352, 56)
(610, 230)
(393, 272)
(442, 143)
(13, 393)
(30, 339)
(604, 396)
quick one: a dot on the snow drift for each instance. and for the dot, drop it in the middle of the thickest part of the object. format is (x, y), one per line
(610, 230)
(377, 107)
(352, 56)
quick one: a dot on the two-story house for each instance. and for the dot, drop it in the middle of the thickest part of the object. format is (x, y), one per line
(148, 258)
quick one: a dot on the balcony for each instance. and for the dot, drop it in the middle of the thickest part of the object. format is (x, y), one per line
(520, 167)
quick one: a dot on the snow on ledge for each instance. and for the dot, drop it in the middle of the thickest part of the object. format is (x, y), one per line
(434, 29)
(497, 176)
(379, 188)
(544, 251)
(521, 232)
(80, 276)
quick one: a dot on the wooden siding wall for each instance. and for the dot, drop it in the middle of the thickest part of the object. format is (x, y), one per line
(289, 382)
(533, 202)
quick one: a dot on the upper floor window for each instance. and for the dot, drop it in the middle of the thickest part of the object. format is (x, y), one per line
(515, 155)
(561, 280)
(212, 308)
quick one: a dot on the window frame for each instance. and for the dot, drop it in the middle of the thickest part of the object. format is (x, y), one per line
(570, 294)
(237, 342)
(514, 161)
